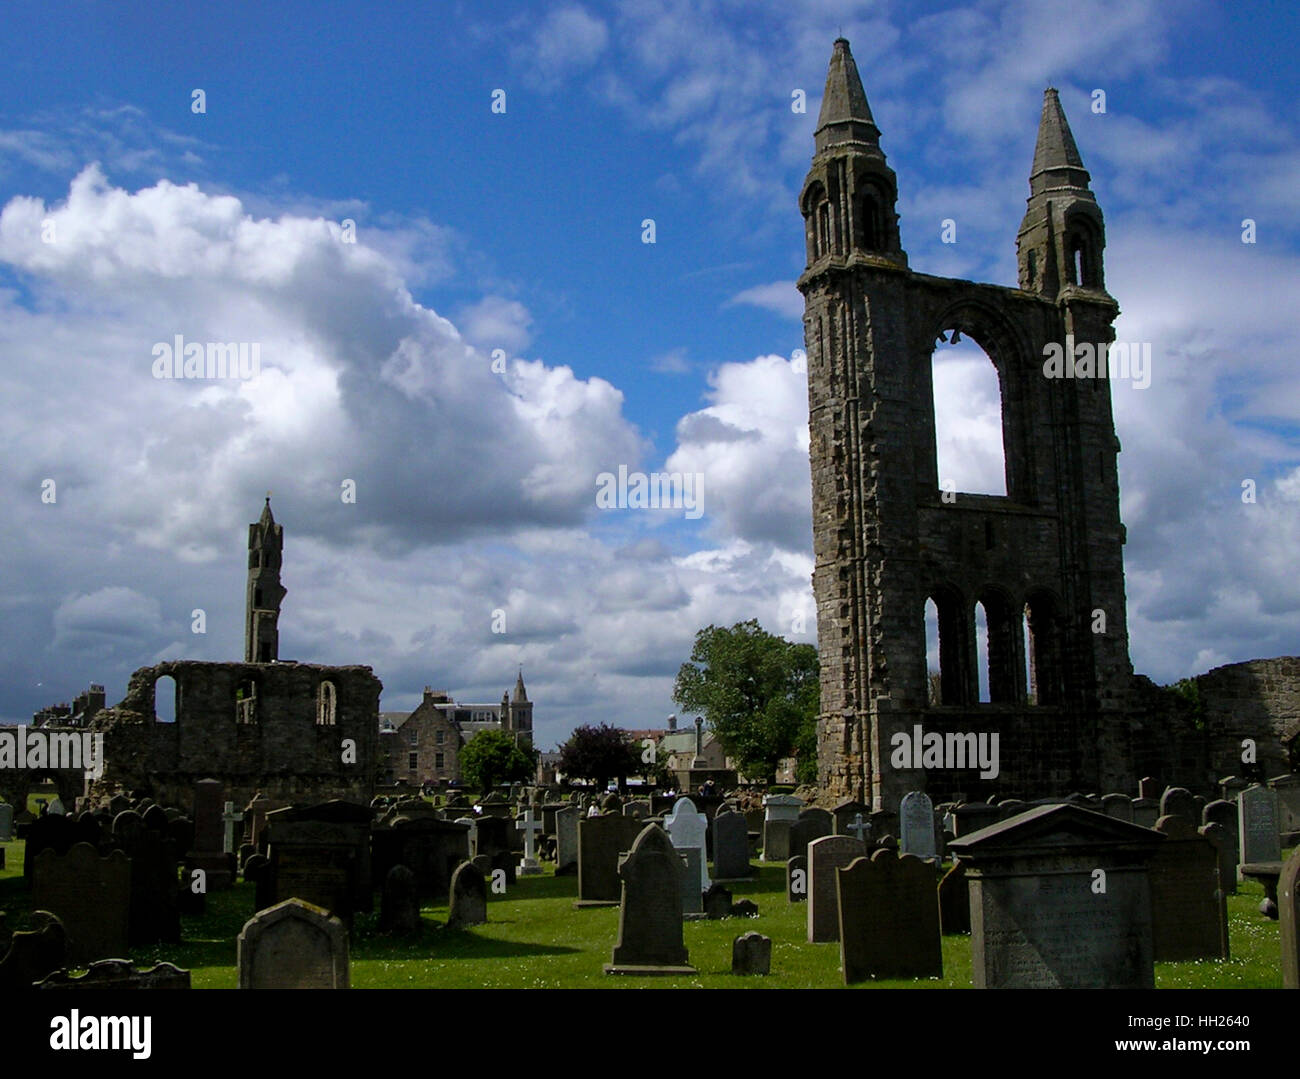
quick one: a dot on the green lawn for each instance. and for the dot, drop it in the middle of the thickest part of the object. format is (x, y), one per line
(535, 939)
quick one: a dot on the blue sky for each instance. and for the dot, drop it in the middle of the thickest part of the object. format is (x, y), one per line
(523, 231)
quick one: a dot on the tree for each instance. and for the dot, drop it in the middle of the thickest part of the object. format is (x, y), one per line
(757, 692)
(600, 753)
(493, 757)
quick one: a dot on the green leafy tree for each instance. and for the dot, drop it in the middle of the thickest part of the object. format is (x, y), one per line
(493, 757)
(600, 753)
(758, 693)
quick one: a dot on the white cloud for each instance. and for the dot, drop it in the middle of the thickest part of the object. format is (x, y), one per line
(780, 297)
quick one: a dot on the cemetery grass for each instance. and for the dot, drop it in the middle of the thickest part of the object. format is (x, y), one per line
(534, 939)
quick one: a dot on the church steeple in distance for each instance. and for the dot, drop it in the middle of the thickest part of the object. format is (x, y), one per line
(265, 592)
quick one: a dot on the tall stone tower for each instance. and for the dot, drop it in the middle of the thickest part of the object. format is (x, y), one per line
(265, 593)
(1044, 561)
(521, 711)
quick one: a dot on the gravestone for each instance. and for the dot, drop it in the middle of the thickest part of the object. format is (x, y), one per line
(155, 916)
(529, 825)
(717, 902)
(34, 953)
(751, 953)
(611, 803)
(638, 808)
(1287, 788)
(1230, 787)
(118, 974)
(209, 853)
(1146, 811)
(846, 813)
(1288, 902)
(1189, 911)
(504, 861)
(468, 896)
(972, 816)
(916, 821)
(650, 909)
(825, 855)
(688, 827)
(321, 855)
(731, 847)
(1148, 788)
(494, 835)
(1119, 806)
(812, 824)
(255, 820)
(781, 812)
(1224, 845)
(888, 912)
(470, 823)
(90, 895)
(119, 803)
(1258, 838)
(293, 945)
(229, 820)
(257, 871)
(483, 864)
(796, 879)
(600, 841)
(1036, 920)
(399, 910)
(692, 897)
(6, 822)
(429, 847)
(1180, 802)
(1224, 814)
(566, 840)
(954, 901)
(47, 833)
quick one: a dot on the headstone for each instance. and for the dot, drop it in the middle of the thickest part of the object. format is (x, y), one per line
(717, 902)
(1287, 788)
(859, 828)
(119, 803)
(751, 953)
(118, 974)
(321, 854)
(731, 847)
(888, 918)
(825, 855)
(916, 821)
(650, 909)
(6, 822)
(1288, 902)
(638, 808)
(972, 816)
(600, 841)
(47, 833)
(811, 825)
(257, 871)
(954, 901)
(399, 911)
(1119, 806)
(1146, 811)
(566, 839)
(1258, 838)
(1189, 911)
(744, 908)
(781, 812)
(504, 860)
(796, 879)
(688, 827)
(846, 813)
(229, 819)
(468, 899)
(493, 835)
(611, 803)
(293, 945)
(90, 895)
(155, 916)
(692, 897)
(1180, 802)
(209, 852)
(471, 824)
(530, 825)
(255, 819)
(483, 863)
(1149, 788)
(1037, 920)
(1230, 787)
(34, 953)
(1224, 814)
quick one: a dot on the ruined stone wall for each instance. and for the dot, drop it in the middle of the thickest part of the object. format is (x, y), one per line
(275, 745)
(1258, 699)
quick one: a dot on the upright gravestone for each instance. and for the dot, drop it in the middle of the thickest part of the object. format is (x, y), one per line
(1288, 902)
(209, 850)
(33, 954)
(1189, 911)
(468, 900)
(600, 841)
(796, 879)
(1287, 788)
(1037, 918)
(888, 918)
(255, 820)
(846, 813)
(566, 839)
(731, 847)
(399, 911)
(1180, 802)
(638, 808)
(493, 835)
(1149, 788)
(688, 827)
(916, 821)
(229, 822)
(825, 855)
(751, 953)
(692, 897)
(471, 826)
(429, 847)
(90, 895)
(529, 825)
(782, 811)
(812, 824)
(293, 945)
(321, 854)
(1119, 806)
(1223, 814)
(6, 822)
(1258, 838)
(954, 901)
(650, 909)
(155, 914)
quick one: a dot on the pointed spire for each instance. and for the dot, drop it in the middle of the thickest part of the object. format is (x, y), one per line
(266, 518)
(521, 694)
(1057, 162)
(845, 115)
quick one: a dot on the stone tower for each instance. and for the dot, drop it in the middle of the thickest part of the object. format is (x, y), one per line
(521, 710)
(265, 593)
(1044, 561)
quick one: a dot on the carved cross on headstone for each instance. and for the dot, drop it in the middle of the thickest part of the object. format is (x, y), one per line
(530, 826)
(859, 828)
(231, 818)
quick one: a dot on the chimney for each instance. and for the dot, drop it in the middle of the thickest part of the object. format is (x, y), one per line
(699, 735)
(672, 723)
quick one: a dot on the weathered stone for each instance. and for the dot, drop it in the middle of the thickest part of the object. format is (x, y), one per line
(687, 827)
(34, 953)
(566, 839)
(825, 855)
(119, 974)
(888, 913)
(468, 900)
(717, 902)
(91, 896)
(1288, 899)
(796, 879)
(751, 953)
(321, 854)
(1180, 802)
(916, 824)
(1189, 912)
(399, 912)
(600, 841)
(1258, 836)
(731, 847)
(293, 945)
(650, 909)
(954, 901)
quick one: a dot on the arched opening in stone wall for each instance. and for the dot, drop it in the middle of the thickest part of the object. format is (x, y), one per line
(945, 666)
(969, 449)
(325, 705)
(166, 699)
(246, 701)
(933, 677)
(1044, 649)
(1004, 678)
(982, 654)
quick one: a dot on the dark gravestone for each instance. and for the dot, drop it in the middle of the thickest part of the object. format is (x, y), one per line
(35, 953)
(399, 911)
(717, 902)
(119, 974)
(805, 831)
(47, 833)
(257, 871)
(566, 839)
(825, 855)
(796, 879)
(482, 863)
(650, 910)
(954, 901)
(1119, 806)
(504, 861)
(155, 916)
(889, 918)
(321, 854)
(430, 848)
(1189, 912)
(1288, 902)
(731, 847)
(1148, 788)
(1179, 802)
(846, 814)
(1258, 837)
(1037, 920)
(751, 953)
(468, 899)
(293, 945)
(972, 816)
(495, 834)
(1224, 814)
(744, 908)
(208, 853)
(90, 895)
(600, 841)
